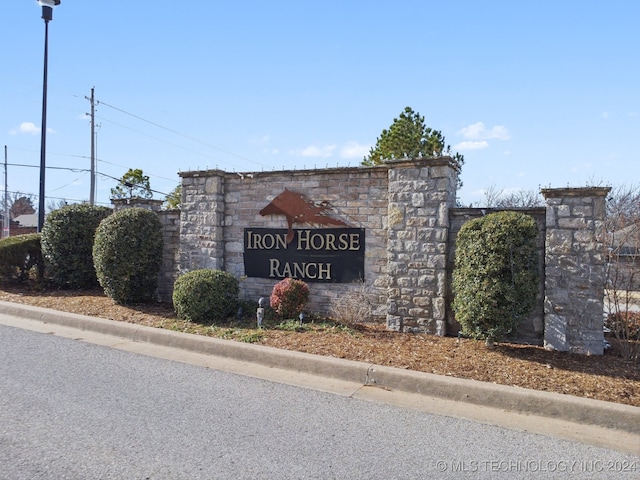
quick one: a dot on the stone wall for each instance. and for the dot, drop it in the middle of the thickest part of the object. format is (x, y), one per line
(575, 269)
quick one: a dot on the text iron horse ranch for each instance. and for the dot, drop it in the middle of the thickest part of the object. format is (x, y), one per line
(333, 255)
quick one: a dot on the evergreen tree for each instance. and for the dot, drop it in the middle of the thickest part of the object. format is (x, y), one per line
(409, 137)
(134, 183)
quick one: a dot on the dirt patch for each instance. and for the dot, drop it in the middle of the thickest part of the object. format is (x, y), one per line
(608, 377)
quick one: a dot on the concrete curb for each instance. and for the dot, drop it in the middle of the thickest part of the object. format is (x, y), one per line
(513, 399)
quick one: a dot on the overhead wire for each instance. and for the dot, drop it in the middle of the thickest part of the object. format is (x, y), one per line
(188, 137)
(75, 170)
(87, 157)
(164, 141)
(30, 195)
(78, 170)
(150, 174)
(150, 122)
(120, 180)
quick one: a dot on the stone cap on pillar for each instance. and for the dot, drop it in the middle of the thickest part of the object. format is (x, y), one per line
(575, 192)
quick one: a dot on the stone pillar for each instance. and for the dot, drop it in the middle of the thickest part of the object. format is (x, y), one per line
(202, 221)
(575, 270)
(421, 192)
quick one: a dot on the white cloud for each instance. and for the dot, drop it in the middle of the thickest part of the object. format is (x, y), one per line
(471, 145)
(478, 131)
(25, 127)
(605, 115)
(354, 150)
(315, 151)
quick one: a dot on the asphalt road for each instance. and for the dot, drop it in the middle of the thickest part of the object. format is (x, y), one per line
(74, 410)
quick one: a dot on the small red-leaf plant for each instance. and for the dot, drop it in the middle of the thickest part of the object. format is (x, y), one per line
(289, 297)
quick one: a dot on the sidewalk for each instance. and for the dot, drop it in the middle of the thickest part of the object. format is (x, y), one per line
(391, 381)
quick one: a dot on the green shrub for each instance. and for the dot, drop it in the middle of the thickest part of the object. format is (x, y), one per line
(18, 255)
(67, 245)
(289, 297)
(205, 295)
(127, 255)
(495, 281)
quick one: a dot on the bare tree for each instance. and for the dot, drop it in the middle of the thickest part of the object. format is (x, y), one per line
(622, 227)
(492, 196)
(56, 204)
(495, 198)
(19, 204)
(521, 199)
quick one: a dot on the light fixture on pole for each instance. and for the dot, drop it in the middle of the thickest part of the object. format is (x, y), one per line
(47, 16)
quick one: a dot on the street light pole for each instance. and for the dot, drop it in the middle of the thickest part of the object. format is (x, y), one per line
(47, 16)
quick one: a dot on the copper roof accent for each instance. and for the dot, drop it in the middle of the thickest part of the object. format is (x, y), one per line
(299, 209)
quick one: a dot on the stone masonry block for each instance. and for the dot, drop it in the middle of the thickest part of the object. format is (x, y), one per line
(417, 199)
(582, 211)
(572, 223)
(555, 334)
(563, 211)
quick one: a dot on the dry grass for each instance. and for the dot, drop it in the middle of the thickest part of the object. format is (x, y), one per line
(608, 378)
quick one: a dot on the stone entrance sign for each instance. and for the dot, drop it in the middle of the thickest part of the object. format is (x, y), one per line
(234, 222)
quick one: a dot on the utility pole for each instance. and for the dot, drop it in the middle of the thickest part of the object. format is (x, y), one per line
(92, 190)
(6, 221)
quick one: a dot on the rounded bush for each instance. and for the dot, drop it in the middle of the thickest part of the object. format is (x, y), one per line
(495, 280)
(205, 295)
(289, 297)
(127, 255)
(67, 245)
(19, 255)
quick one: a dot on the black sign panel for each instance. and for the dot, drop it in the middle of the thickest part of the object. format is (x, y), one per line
(330, 255)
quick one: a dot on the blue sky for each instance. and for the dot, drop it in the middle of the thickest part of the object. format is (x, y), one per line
(540, 93)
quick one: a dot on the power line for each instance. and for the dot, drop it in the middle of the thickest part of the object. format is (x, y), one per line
(167, 142)
(66, 185)
(85, 157)
(155, 124)
(150, 174)
(75, 170)
(120, 180)
(188, 137)
(79, 170)
(32, 196)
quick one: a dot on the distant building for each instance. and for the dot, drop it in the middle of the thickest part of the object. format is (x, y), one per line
(24, 224)
(27, 220)
(624, 258)
(627, 242)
